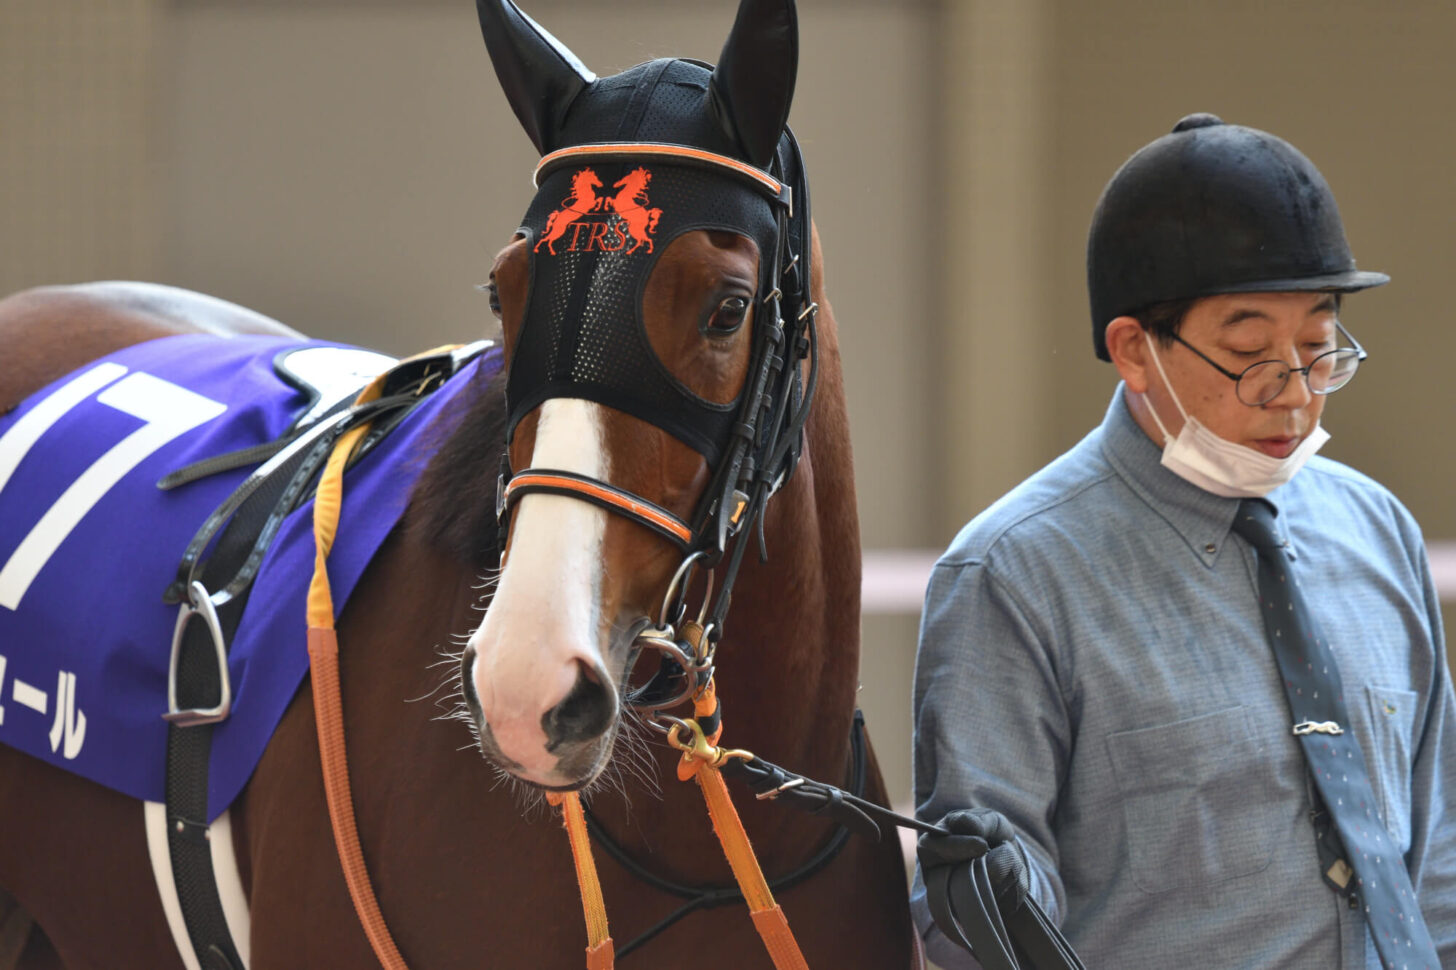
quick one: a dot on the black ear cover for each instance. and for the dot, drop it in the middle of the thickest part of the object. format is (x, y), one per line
(540, 76)
(753, 84)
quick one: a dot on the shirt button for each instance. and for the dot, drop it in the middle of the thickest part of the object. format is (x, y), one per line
(1210, 548)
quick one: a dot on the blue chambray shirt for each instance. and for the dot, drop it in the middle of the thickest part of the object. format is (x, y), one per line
(1092, 664)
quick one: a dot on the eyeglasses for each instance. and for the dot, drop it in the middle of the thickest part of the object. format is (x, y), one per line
(1260, 383)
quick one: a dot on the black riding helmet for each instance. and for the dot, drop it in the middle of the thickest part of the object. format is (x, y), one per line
(1214, 208)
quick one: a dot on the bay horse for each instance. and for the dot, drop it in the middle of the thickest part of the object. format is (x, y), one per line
(470, 866)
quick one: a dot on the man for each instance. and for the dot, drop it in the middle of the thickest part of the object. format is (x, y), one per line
(1195, 743)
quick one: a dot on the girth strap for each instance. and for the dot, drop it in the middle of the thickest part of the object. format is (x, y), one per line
(198, 677)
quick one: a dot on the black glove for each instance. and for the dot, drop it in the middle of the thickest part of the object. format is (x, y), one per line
(973, 833)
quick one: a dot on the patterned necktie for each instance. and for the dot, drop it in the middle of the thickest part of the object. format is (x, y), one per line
(1320, 720)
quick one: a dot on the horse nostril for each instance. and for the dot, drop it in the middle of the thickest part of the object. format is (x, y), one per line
(583, 714)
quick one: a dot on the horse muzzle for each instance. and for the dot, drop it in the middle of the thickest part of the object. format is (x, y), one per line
(561, 742)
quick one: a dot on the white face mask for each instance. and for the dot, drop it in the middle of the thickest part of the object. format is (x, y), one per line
(1220, 466)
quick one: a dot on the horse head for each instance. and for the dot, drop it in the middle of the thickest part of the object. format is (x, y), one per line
(650, 410)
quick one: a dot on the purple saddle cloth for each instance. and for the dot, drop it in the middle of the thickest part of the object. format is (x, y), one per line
(88, 544)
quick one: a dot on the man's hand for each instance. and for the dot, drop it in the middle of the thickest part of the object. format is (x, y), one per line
(974, 833)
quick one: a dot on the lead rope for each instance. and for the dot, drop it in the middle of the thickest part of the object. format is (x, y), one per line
(599, 952)
(702, 759)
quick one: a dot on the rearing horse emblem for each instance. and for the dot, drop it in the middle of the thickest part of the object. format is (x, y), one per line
(631, 204)
(593, 223)
(581, 201)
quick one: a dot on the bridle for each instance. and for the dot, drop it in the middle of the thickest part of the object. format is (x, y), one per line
(760, 453)
(763, 443)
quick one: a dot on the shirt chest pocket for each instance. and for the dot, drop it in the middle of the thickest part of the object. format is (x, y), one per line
(1392, 720)
(1195, 800)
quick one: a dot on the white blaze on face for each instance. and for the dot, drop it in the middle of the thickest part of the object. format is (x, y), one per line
(542, 624)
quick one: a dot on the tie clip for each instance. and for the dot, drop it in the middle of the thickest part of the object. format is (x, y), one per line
(1321, 727)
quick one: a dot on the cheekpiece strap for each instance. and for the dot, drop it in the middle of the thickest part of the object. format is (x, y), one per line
(625, 151)
(609, 497)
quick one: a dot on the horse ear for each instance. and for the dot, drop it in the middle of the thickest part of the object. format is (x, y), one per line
(541, 77)
(753, 84)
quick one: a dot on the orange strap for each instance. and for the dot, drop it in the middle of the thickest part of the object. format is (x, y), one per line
(634, 506)
(636, 149)
(599, 953)
(702, 761)
(768, 917)
(323, 654)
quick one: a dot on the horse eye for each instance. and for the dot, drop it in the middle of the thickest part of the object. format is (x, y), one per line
(494, 293)
(729, 315)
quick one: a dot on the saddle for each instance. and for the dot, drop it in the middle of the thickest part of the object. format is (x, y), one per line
(216, 591)
(89, 545)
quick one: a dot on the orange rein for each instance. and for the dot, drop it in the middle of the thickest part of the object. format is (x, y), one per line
(599, 952)
(701, 760)
(323, 654)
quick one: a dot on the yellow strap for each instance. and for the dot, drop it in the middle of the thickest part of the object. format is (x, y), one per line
(323, 652)
(328, 500)
(768, 918)
(702, 759)
(326, 506)
(599, 954)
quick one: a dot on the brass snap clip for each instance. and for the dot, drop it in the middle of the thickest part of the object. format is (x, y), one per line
(698, 749)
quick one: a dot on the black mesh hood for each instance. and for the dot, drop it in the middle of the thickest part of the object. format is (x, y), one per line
(597, 227)
(664, 100)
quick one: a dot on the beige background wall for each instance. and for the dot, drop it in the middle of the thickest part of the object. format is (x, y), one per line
(350, 167)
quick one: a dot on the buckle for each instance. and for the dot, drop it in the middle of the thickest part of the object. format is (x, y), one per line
(199, 603)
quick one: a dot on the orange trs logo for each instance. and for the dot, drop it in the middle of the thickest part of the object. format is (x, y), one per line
(602, 223)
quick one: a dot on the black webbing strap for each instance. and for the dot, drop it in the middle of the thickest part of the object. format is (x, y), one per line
(187, 835)
(198, 686)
